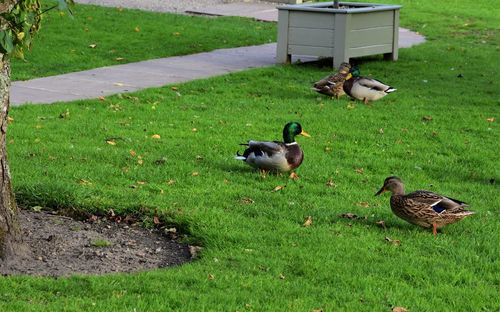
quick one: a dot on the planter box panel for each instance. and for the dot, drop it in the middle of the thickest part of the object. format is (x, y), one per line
(311, 20)
(309, 50)
(356, 29)
(311, 37)
(373, 19)
(370, 50)
(371, 36)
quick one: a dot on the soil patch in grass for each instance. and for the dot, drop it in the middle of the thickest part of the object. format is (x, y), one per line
(61, 246)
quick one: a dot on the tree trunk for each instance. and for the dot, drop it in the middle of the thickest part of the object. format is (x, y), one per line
(10, 231)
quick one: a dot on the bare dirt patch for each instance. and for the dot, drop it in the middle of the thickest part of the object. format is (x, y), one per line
(62, 246)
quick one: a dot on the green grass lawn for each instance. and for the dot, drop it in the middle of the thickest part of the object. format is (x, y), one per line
(119, 36)
(261, 256)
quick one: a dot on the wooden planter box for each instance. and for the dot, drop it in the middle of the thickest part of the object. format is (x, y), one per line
(316, 29)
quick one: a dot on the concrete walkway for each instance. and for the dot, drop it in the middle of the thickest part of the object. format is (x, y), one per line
(141, 75)
(159, 72)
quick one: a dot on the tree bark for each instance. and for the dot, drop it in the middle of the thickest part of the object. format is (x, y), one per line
(11, 244)
(10, 231)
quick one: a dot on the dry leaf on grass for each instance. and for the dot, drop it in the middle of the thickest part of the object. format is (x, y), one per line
(427, 118)
(195, 173)
(156, 220)
(92, 46)
(246, 200)
(330, 183)
(399, 309)
(111, 142)
(155, 136)
(278, 188)
(395, 242)
(293, 176)
(492, 119)
(281, 276)
(381, 223)
(211, 276)
(195, 251)
(349, 215)
(308, 221)
(363, 204)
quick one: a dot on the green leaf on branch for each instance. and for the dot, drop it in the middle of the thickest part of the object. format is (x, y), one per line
(6, 42)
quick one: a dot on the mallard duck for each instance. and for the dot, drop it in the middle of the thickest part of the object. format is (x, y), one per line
(364, 88)
(332, 85)
(274, 155)
(424, 208)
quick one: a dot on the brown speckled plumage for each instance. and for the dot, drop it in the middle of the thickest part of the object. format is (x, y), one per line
(423, 208)
(332, 85)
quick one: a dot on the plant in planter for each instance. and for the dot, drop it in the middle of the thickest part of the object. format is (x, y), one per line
(337, 29)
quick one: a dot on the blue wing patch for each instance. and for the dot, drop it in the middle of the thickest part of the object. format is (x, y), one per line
(438, 208)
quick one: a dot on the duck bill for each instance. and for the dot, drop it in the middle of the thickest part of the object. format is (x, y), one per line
(380, 191)
(305, 134)
(349, 76)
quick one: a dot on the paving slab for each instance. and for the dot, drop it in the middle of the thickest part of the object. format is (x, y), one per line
(135, 76)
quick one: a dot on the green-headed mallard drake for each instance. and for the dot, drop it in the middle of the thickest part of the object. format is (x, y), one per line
(423, 208)
(274, 155)
(364, 88)
(332, 85)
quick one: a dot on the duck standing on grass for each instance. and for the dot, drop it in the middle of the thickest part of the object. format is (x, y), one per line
(274, 155)
(364, 88)
(423, 208)
(332, 85)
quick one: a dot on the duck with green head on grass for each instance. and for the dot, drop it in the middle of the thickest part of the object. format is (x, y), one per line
(363, 88)
(275, 155)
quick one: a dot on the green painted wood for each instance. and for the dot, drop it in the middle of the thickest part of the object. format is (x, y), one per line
(371, 36)
(314, 29)
(370, 50)
(395, 41)
(340, 51)
(282, 55)
(311, 20)
(311, 37)
(373, 19)
(308, 50)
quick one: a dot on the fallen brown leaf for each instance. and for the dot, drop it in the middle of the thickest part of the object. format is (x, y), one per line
(211, 276)
(101, 98)
(308, 221)
(171, 182)
(194, 251)
(92, 46)
(399, 309)
(359, 170)
(363, 204)
(155, 136)
(381, 223)
(132, 153)
(492, 119)
(293, 176)
(156, 220)
(349, 215)
(427, 118)
(330, 183)
(395, 242)
(111, 142)
(247, 200)
(278, 188)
